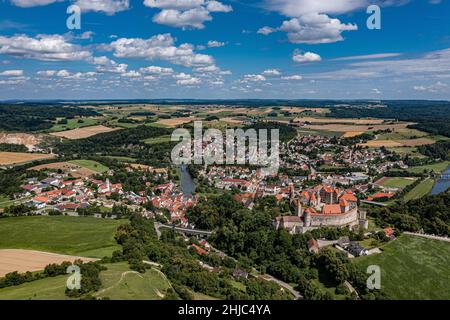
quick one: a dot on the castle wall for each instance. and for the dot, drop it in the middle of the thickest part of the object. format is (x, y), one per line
(322, 220)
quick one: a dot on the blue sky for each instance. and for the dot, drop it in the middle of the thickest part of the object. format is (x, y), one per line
(302, 49)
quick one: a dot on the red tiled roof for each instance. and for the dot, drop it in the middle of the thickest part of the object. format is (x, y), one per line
(331, 209)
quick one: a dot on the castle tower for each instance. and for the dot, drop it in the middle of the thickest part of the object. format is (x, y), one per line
(298, 208)
(307, 218)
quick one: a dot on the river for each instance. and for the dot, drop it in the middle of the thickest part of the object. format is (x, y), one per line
(443, 183)
(187, 183)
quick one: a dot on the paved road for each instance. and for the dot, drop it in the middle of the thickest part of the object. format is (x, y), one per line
(374, 203)
(184, 230)
(285, 285)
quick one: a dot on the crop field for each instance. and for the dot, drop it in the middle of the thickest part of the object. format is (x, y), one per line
(80, 236)
(340, 121)
(411, 151)
(14, 158)
(398, 143)
(355, 128)
(413, 268)
(82, 133)
(72, 169)
(91, 165)
(74, 124)
(120, 283)
(176, 121)
(158, 140)
(29, 260)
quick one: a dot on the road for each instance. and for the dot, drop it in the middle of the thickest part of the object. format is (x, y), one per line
(159, 225)
(428, 236)
(283, 284)
(374, 203)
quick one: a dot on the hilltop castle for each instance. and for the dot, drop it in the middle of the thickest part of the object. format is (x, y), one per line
(322, 206)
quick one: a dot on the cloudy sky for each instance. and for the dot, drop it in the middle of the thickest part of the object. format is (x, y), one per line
(224, 49)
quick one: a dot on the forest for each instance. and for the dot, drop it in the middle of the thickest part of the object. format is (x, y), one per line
(249, 237)
(430, 116)
(126, 143)
(36, 117)
(429, 214)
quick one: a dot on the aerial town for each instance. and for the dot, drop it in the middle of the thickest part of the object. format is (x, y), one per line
(221, 155)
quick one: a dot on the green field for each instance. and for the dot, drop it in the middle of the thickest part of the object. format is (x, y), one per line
(436, 167)
(420, 191)
(122, 159)
(413, 268)
(88, 237)
(120, 283)
(158, 140)
(73, 124)
(92, 165)
(403, 134)
(44, 289)
(410, 151)
(398, 182)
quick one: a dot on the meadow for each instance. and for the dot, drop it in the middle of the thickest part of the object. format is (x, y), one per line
(413, 268)
(91, 165)
(420, 191)
(120, 283)
(74, 124)
(81, 236)
(44, 289)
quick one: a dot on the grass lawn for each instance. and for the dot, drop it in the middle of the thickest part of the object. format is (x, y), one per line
(87, 237)
(44, 289)
(73, 124)
(398, 182)
(436, 167)
(120, 283)
(420, 191)
(413, 268)
(92, 165)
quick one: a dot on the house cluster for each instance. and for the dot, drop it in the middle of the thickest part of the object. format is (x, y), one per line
(63, 193)
(169, 197)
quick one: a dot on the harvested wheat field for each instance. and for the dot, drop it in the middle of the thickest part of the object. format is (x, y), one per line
(351, 134)
(340, 120)
(12, 158)
(176, 121)
(232, 121)
(29, 260)
(382, 143)
(74, 170)
(299, 110)
(143, 167)
(398, 143)
(353, 128)
(82, 133)
(416, 142)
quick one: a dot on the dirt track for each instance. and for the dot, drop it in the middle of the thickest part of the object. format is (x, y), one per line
(29, 260)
